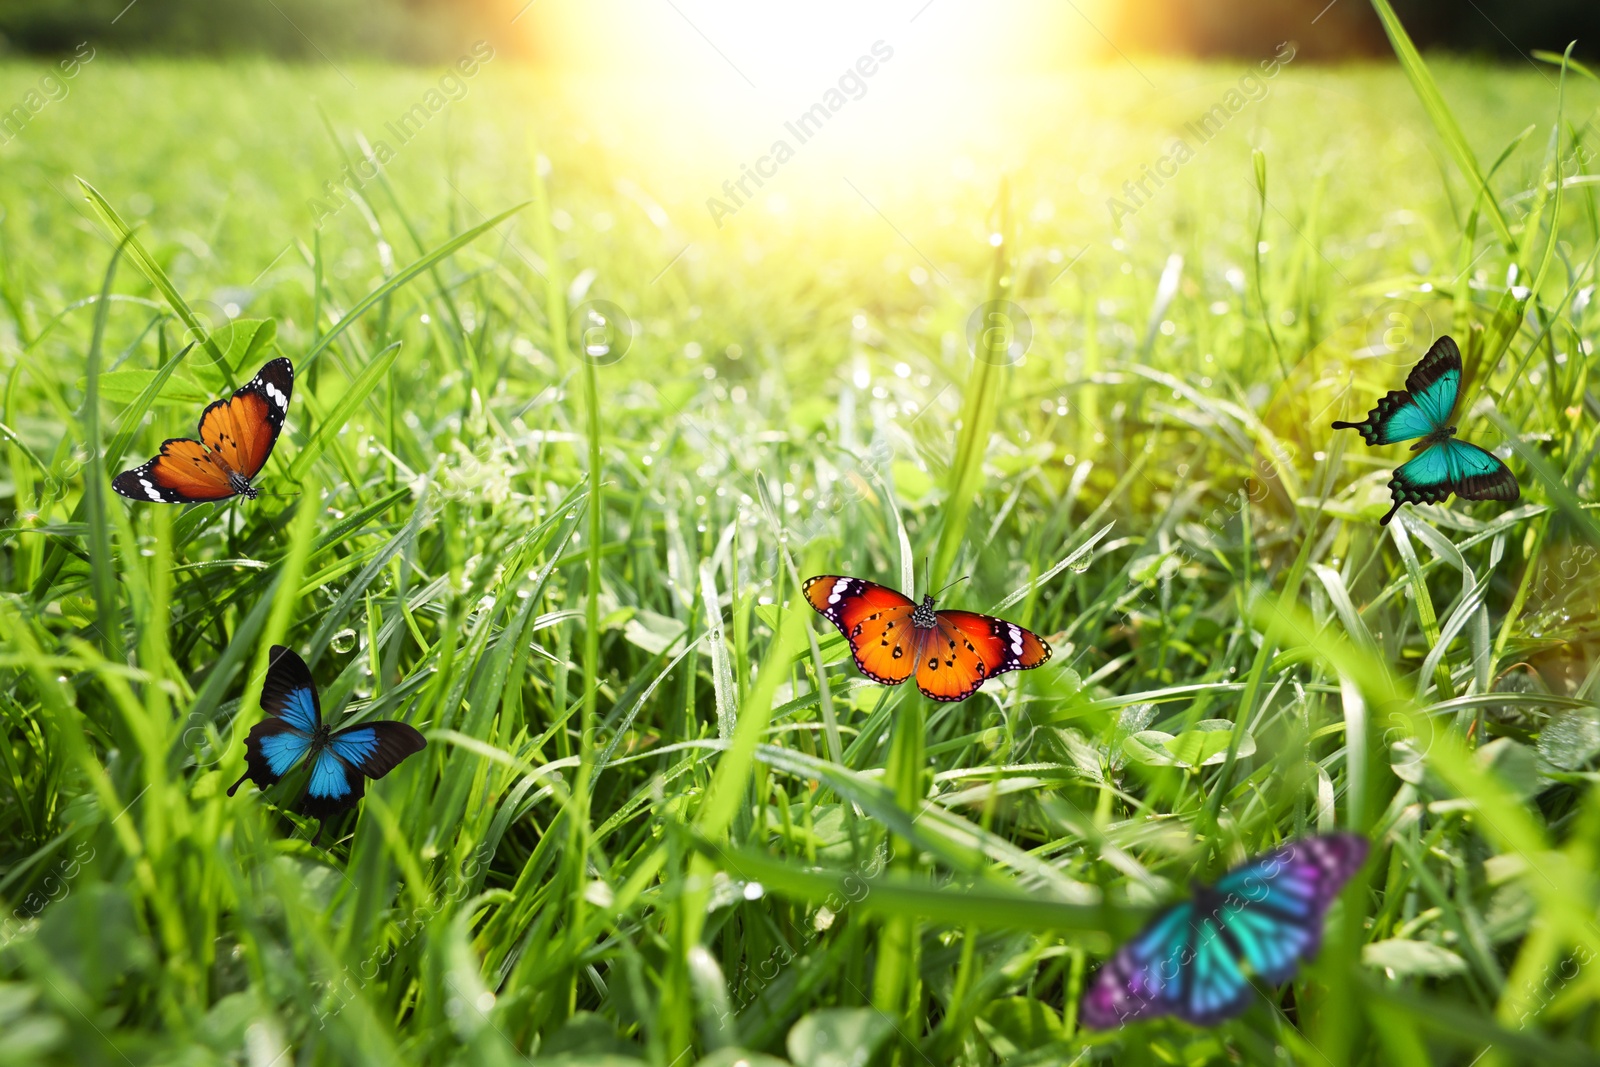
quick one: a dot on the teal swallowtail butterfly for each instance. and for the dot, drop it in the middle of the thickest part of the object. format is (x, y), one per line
(293, 732)
(1195, 960)
(1426, 409)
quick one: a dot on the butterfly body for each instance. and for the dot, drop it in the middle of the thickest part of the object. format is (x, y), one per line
(1438, 437)
(1195, 960)
(1425, 409)
(236, 436)
(293, 735)
(893, 638)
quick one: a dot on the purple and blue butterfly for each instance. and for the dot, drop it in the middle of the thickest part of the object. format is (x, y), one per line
(293, 734)
(1195, 960)
(1426, 408)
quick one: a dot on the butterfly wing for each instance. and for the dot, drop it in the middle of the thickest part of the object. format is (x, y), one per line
(271, 750)
(1273, 906)
(278, 742)
(334, 786)
(1270, 944)
(875, 619)
(1477, 474)
(1266, 914)
(1181, 964)
(183, 473)
(966, 649)
(289, 692)
(376, 748)
(1451, 467)
(1423, 407)
(1217, 988)
(339, 775)
(1148, 976)
(1300, 878)
(1005, 646)
(243, 428)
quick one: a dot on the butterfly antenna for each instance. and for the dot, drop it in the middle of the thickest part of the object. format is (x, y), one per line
(947, 585)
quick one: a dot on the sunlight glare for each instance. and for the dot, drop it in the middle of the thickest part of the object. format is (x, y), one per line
(702, 90)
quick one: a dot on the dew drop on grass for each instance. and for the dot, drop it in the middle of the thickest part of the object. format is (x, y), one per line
(343, 641)
(1081, 565)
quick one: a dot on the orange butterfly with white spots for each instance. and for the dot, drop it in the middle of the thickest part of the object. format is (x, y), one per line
(236, 437)
(892, 637)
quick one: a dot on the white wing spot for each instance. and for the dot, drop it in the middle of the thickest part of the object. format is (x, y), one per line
(838, 590)
(276, 395)
(150, 489)
(1016, 639)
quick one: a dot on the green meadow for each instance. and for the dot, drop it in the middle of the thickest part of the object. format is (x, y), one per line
(661, 817)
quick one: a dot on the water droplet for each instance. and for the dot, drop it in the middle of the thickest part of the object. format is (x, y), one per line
(343, 641)
(1081, 565)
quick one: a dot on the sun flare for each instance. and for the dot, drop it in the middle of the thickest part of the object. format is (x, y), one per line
(814, 95)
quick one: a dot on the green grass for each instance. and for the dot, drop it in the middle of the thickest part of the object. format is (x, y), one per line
(660, 816)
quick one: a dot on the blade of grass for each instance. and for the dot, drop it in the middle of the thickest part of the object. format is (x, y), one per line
(158, 277)
(108, 609)
(374, 372)
(382, 292)
(1444, 121)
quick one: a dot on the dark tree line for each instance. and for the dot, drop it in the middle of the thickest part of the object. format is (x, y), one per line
(407, 30)
(1342, 29)
(430, 30)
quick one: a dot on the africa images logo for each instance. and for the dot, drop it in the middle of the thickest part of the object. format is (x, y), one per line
(354, 176)
(52, 88)
(1251, 88)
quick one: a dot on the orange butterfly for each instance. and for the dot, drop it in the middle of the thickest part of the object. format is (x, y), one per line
(891, 636)
(238, 435)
